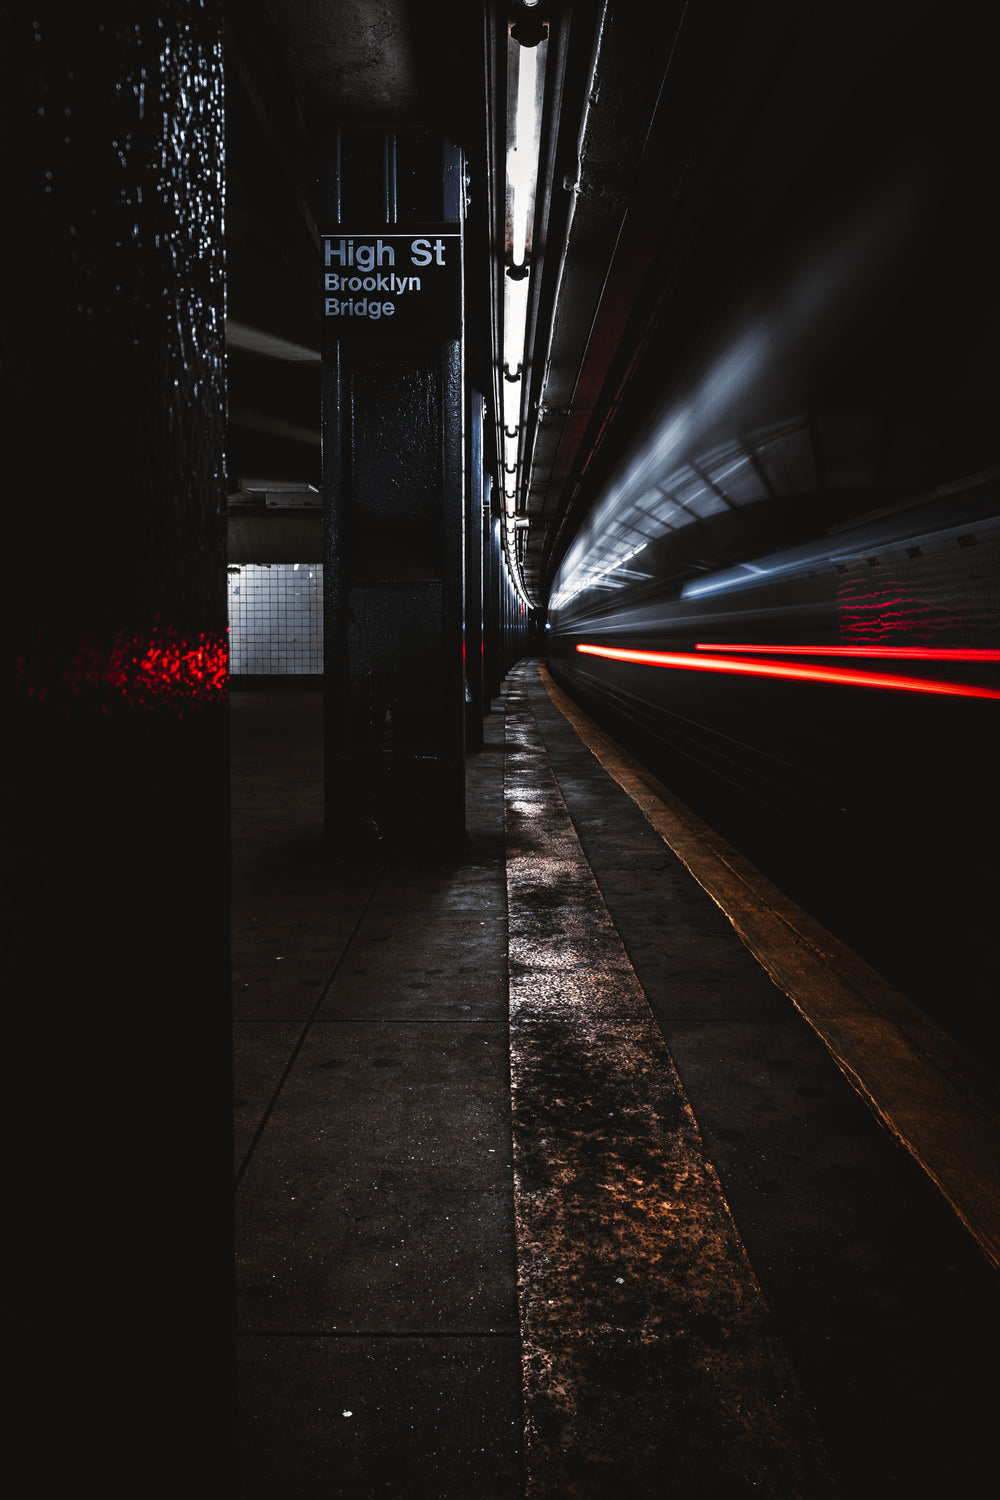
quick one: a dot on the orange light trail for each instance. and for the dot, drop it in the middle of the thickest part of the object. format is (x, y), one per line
(837, 675)
(917, 653)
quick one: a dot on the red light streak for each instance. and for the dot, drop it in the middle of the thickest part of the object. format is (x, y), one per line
(835, 675)
(917, 653)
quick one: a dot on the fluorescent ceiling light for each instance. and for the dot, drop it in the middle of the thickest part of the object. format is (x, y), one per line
(524, 130)
(515, 318)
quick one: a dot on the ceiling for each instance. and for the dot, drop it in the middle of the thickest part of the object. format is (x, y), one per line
(691, 156)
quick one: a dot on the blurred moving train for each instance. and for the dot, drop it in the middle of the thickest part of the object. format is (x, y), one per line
(785, 599)
(832, 709)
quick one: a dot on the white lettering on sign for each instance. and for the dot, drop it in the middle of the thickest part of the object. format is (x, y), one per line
(367, 277)
(365, 256)
(421, 254)
(391, 283)
(361, 309)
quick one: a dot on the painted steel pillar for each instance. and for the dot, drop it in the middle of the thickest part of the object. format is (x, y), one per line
(475, 692)
(493, 599)
(391, 222)
(118, 793)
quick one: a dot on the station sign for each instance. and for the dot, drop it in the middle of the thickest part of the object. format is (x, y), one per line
(393, 283)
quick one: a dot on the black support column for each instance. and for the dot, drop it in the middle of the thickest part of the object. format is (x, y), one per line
(475, 694)
(493, 583)
(393, 451)
(119, 1170)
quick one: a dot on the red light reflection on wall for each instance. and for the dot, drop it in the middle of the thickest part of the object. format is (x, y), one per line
(160, 669)
(839, 676)
(168, 666)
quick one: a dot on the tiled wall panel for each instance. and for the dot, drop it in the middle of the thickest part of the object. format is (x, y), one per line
(275, 619)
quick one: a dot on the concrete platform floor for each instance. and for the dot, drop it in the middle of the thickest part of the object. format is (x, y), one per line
(544, 1188)
(377, 1301)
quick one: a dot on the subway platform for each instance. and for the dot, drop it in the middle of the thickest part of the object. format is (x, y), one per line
(583, 1165)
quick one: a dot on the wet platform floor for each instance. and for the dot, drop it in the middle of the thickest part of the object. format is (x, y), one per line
(544, 1187)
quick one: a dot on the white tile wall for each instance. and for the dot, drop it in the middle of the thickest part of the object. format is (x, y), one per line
(275, 619)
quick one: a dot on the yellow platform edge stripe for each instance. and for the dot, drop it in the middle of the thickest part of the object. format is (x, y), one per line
(939, 1101)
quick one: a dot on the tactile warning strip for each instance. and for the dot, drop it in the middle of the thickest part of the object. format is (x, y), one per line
(648, 1364)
